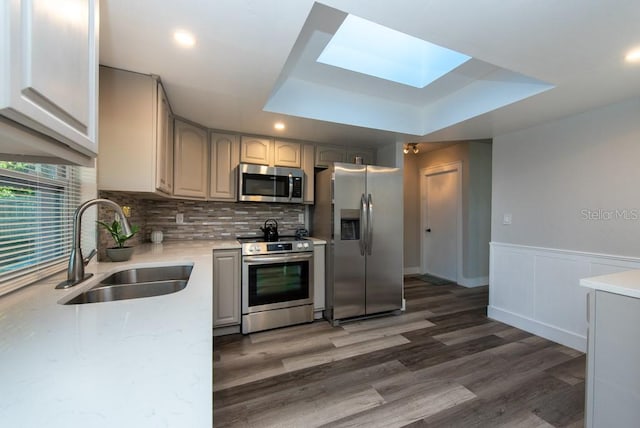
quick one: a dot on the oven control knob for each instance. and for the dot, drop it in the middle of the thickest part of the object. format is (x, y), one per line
(306, 245)
(299, 245)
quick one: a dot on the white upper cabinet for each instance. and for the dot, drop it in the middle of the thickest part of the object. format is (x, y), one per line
(48, 82)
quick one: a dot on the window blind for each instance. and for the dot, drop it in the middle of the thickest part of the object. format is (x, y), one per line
(37, 202)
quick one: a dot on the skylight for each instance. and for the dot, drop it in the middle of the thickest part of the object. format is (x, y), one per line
(366, 47)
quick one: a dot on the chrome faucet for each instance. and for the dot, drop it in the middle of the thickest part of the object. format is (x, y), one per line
(75, 270)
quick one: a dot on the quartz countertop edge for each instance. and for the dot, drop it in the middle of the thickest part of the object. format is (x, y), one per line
(141, 362)
(625, 283)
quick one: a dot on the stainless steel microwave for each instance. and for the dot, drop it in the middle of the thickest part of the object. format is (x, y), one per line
(259, 183)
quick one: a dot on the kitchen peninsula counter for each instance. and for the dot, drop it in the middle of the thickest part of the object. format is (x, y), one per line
(626, 283)
(142, 362)
(613, 383)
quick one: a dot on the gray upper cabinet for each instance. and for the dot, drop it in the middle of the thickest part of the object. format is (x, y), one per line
(224, 160)
(308, 164)
(266, 151)
(164, 154)
(256, 150)
(49, 81)
(136, 144)
(366, 155)
(286, 153)
(326, 155)
(191, 160)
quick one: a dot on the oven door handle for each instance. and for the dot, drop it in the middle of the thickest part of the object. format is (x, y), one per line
(278, 258)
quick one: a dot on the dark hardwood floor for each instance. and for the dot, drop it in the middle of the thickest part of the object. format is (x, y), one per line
(442, 363)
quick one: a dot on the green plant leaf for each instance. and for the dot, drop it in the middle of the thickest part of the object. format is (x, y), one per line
(115, 229)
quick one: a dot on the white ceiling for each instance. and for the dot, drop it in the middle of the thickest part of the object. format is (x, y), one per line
(243, 46)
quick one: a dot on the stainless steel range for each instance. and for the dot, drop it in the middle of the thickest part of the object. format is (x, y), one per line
(277, 283)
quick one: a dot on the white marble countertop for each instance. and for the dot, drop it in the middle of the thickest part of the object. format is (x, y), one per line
(130, 363)
(626, 283)
(317, 241)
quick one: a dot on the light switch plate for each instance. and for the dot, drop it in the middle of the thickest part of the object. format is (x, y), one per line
(300, 218)
(179, 218)
(506, 219)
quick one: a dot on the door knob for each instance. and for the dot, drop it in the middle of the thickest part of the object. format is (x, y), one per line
(428, 230)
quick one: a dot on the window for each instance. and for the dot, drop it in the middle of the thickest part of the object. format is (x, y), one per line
(37, 202)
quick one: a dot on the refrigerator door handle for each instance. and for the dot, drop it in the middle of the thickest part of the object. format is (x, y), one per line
(370, 224)
(363, 226)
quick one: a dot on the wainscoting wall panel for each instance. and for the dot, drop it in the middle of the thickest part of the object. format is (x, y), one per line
(537, 289)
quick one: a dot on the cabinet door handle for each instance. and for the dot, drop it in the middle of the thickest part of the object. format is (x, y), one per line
(588, 297)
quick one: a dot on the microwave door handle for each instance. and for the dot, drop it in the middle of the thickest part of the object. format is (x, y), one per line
(290, 186)
(363, 228)
(370, 224)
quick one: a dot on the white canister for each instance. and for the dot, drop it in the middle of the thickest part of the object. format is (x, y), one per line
(156, 236)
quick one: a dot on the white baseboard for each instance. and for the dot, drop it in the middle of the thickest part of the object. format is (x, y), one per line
(474, 282)
(412, 270)
(538, 328)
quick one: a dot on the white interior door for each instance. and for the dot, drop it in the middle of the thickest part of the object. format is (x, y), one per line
(440, 222)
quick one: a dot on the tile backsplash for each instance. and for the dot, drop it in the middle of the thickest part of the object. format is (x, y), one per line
(202, 219)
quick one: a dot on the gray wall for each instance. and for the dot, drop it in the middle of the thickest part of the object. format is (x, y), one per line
(411, 212)
(476, 200)
(390, 155)
(571, 184)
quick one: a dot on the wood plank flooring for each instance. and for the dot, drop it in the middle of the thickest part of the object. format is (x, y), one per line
(442, 363)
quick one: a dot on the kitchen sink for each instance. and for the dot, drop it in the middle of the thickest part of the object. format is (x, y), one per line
(148, 274)
(136, 283)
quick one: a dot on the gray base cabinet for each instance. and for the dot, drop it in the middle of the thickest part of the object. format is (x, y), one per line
(318, 278)
(613, 355)
(226, 288)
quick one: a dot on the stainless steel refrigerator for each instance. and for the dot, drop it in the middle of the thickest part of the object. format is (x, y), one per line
(359, 212)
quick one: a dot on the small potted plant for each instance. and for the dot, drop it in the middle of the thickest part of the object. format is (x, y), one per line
(119, 253)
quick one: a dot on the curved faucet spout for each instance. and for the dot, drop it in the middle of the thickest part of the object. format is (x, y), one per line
(75, 270)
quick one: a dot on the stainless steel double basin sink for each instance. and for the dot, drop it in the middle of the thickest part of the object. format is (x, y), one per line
(136, 283)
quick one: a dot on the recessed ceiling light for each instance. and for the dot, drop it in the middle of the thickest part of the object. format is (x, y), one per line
(279, 126)
(184, 38)
(633, 55)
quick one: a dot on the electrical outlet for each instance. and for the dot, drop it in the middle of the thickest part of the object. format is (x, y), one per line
(300, 218)
(506, 219)
(179, 218)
